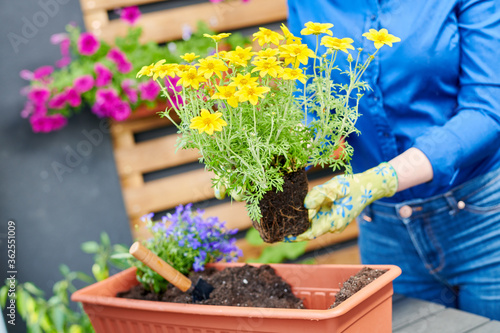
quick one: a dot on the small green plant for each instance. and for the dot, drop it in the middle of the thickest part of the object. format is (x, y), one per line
(245, 114)
(57, 314)
(186, 241)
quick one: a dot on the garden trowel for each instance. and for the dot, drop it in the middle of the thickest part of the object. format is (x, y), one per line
(201, 290)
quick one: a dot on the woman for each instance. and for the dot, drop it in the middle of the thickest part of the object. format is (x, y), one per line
(430, 132)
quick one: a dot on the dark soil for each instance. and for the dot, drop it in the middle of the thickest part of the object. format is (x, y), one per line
(283, 213)
(246, 286)
(355, 283)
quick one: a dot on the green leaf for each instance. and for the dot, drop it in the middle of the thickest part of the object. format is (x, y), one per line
(90, 247)
(252, 236)
(121, 256)
(58, 317)
(105, 239)
(30, 287)
(84, 277)
(281, 252)
(64, 270)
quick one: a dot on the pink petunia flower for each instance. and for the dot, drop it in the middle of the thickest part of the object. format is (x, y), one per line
(42, 72)
(63, 62)
(121, 110)
(130, 91)
(88, 44)
(39, 95)
(58, 101)
(58, 38)
(26, 75)
(106, 99)
(46, 124)
(149, 90)
(120, 59)
(171, 85)
(130, 14)
(104, 75)
(83, 83)
(73, 97)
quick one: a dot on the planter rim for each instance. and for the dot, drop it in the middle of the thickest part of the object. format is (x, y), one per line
(85, 296)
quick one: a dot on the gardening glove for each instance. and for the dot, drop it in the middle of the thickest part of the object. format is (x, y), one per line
(333, 205)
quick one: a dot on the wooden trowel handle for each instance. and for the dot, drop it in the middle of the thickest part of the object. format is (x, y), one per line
(154, 262)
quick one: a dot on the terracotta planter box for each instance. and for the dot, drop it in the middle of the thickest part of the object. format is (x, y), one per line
(369, 310)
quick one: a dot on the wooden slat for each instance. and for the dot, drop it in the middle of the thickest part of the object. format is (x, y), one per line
(234, 213)
(346, 256)
(97, 22)
(168, 24)
(90, 5)
(140, 125)
(152, 155)
(168, 192)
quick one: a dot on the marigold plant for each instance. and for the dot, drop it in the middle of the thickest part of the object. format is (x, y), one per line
(246, 115)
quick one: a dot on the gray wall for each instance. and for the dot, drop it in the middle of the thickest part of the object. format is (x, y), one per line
(53, 215)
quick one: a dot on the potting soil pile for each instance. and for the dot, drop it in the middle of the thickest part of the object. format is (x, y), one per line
(246, 286)
(355, 283)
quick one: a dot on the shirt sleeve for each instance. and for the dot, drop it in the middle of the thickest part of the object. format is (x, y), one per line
(474, 132)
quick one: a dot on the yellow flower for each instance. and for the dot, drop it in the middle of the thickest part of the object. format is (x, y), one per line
(209, 66)
(290, 38)
(299, 52)
(267, 53)
(208, 122)
(190, 77)
(181, 69)
(227, 93)
(146, 70)
(251, 93)
(335, 43)
(265, 36)
(269, 66)
(316, 28)
(189, 57)
(240, 56)
(242, 81)
(161, 70)
(294, 74)
(381, 37)
(217, 38)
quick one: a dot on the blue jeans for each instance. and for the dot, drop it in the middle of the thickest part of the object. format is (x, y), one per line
(447, 246)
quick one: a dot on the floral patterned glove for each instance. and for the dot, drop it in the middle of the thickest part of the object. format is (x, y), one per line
(333, 205)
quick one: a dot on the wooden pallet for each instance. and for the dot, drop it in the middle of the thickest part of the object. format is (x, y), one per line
(135, 159)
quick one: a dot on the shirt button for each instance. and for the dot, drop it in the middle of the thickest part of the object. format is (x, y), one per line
(405, 211)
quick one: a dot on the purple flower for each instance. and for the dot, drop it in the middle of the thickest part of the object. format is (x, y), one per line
(83, 83)
(130, 14)
(88, 44)
(199, 261)
(146, 217)
(58, 101)
(149, 90)
(73, 97)
(46, 124)
(39, 95)
(129, 91)
(104, 75)
(26, 75)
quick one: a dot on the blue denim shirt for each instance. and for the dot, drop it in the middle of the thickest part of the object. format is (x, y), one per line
(437, 90)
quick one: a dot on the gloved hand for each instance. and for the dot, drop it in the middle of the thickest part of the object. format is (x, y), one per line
(333, 205)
